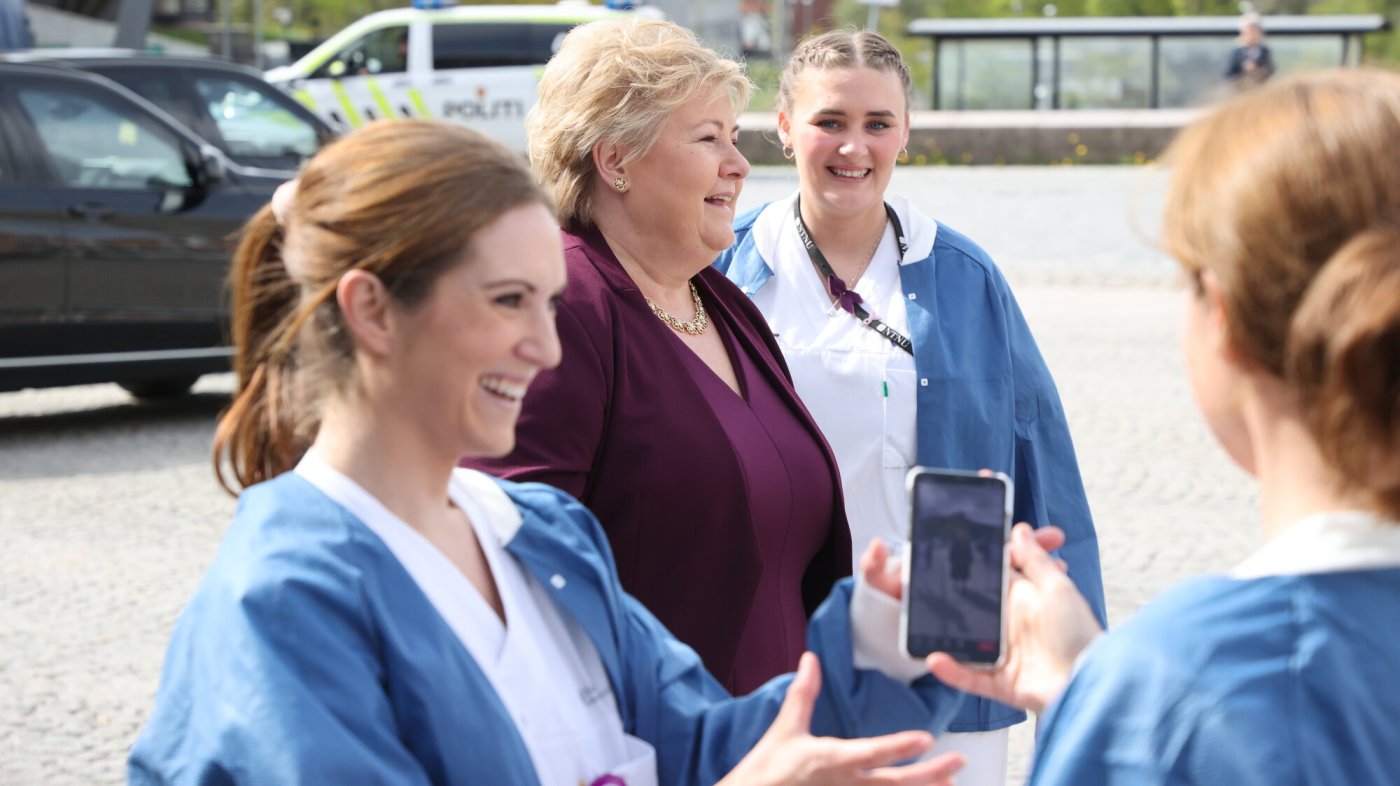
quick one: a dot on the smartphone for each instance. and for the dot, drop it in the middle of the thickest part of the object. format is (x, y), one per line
(956, 566)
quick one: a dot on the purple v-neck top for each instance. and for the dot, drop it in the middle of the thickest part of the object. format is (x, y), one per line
(789, 516)
(724, 511)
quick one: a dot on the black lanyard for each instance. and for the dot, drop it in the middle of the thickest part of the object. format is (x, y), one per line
(845, 296)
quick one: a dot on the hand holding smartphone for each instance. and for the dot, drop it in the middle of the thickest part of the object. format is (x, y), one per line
(955, 571)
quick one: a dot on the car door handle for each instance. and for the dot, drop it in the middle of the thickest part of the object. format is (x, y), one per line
(93, 211)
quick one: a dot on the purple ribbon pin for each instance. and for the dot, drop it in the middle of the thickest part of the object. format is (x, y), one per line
(845, 298)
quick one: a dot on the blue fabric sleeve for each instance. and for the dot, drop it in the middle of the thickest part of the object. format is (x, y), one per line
(274, 681)
(1049, 488)
(666, 696)
(700, 732)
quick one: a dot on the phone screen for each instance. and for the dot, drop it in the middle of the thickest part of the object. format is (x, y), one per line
(957, 565)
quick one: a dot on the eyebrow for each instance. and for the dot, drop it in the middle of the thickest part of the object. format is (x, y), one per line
(717, 124)
(509, 282)
(842, 113)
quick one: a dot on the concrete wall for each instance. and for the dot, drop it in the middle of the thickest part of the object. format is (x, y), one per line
(1030, 137)
(55, 28)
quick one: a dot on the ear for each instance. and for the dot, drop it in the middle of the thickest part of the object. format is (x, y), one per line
(364, 305)
(1212, 299)
(784, 129)
(608, 160)
(906, 129)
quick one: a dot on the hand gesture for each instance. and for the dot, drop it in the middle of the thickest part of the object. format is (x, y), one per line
(1048, 625)
(789, 754)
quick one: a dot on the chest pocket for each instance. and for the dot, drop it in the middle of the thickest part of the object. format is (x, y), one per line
(900, 448)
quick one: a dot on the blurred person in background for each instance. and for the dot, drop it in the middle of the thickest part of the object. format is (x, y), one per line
(1251, 63)
(15, 32)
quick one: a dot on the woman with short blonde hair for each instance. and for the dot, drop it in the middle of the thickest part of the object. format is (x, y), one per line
(672, 415)
(616, 83)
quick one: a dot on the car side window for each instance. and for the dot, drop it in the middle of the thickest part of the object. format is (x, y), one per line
(382, 51)
(95, 143)
(157, 88)
(484, 45)
(252, 122)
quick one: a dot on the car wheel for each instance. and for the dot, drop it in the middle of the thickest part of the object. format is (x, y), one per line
(168, 387)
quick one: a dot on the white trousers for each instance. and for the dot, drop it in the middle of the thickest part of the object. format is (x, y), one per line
(985, 752)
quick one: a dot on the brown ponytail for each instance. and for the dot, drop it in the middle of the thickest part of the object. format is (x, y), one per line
(1343, 359)
(401, 200)
(257, 434)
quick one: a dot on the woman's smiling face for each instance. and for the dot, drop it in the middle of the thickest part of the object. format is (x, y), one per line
(846, 127)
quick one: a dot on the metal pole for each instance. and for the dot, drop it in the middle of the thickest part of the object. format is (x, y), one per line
(937, 99)
(1155, 101)
(1035, 68)
(226, 40)
(258, 34)
(872, 19)
(133, 23)
(779, 37)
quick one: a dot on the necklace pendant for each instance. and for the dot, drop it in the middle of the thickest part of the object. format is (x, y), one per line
(693, 327)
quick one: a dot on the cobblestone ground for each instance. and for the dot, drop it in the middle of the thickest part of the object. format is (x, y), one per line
(108, 510)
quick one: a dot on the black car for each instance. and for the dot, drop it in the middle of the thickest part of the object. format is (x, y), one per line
(254, 123)
(116, 226)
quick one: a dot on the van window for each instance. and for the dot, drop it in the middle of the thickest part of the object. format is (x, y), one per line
(383, 51)
(478, 45)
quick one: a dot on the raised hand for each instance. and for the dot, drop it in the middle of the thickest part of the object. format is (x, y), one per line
(1048, 625)
(789, 754)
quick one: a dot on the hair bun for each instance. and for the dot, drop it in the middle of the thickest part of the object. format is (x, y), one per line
(1343, 357)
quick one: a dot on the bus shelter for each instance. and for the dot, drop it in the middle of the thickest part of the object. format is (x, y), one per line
(1117, 62)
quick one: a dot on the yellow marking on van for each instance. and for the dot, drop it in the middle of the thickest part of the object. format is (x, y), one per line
(380, 100)
(418, 103)
(352, 115)
(307, 100)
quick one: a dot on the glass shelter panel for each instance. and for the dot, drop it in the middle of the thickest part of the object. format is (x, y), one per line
(985, 74)
(1305, 52)
(1106, 73)
(1192, 69)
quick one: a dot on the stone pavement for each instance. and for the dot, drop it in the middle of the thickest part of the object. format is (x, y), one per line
(109, 512)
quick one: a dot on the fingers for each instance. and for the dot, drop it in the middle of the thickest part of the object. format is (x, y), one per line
(982, 682)
(1027, 555)
(795, 716)
(873, 752)
(1050, 537)
(934, 772)
(872, 562)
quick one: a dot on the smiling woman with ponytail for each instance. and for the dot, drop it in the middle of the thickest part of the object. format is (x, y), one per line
(376, 615)
(1284, 211)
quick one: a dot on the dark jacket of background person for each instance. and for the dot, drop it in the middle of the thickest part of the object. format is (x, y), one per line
(1263, 63)
(620, 426)
(14, 26)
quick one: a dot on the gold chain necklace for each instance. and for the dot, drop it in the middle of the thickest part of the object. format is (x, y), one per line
(868, 258)
(695, 326)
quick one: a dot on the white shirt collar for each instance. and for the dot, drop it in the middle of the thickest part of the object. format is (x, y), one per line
(502, 514)
(919, 231)
(1327, 543)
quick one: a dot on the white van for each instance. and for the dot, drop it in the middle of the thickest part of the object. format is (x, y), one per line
(476, 65)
